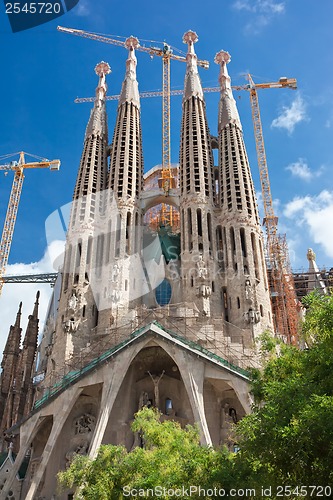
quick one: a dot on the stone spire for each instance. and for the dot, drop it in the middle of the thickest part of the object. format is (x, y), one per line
(90, 184)
(192, 86)
(228, 112)
(97, 123)
(125, 185)
(197, 189)
(246, 298)
(315, 280)
(93, 165)
(9, 363)
(16, 380)
(78, 313)
(236, 185)
(126, 163)
(23, 395)
(130, 90)
(14, 338)
(196, 159)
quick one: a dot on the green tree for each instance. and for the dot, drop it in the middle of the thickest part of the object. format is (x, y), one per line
(288, 439)
(171, 458)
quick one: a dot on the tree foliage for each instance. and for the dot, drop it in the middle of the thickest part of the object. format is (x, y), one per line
(288, 439)
(171, 457)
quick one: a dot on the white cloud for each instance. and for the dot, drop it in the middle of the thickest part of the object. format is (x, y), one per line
(260, 6)
(290, 116)
(262, 10)
(315, 213)
(13, 293)
(301, 169)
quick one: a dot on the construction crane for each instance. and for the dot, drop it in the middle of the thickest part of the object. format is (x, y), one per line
(165, 52)
(49, 278)
(8, 229)
(290, 83)
(283, 288)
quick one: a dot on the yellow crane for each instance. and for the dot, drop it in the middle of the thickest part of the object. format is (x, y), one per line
(18, 168)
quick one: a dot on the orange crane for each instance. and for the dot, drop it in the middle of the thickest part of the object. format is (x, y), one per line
(167, 181)
(8, 229)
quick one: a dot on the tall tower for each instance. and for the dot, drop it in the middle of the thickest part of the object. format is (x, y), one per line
(123, 213)
(17, 371)
(245, 293)
(78, 312)
(23, 395)
(8, 366)
(197, 191)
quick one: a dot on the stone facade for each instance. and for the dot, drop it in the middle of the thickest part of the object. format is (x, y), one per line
(164, 318)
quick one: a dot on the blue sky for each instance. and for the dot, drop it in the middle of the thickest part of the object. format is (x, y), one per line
(44, 70)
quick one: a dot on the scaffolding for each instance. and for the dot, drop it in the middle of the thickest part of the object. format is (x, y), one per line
(286, 307)
(162, 214)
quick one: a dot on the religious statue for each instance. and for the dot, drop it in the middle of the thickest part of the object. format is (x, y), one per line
(156, 380)
(115, 273)
(248, 289)
(202, 269)
(72, 302)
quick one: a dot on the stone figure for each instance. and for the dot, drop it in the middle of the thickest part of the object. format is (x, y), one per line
(115, 273)
(252, 316)
(156, 380)
(85, 424)
(202, 269)
(248, 289)
(143, 400)
(311, 255)
(72, 302)
(205, 291)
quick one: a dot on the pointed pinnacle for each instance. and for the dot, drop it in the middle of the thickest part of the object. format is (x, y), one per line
(18, 315)
(35, 312)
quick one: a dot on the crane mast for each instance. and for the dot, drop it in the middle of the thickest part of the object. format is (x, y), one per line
(283, 288)
(14, 200)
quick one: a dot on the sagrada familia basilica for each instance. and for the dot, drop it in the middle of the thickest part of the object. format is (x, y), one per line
(140, 315)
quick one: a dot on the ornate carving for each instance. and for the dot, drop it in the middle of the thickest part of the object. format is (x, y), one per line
(311, 255)
(85, 424)
(80, 449)
(205, 291)
(252, 316)
(71, 325)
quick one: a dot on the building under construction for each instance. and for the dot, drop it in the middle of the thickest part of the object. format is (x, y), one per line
(163, 294)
